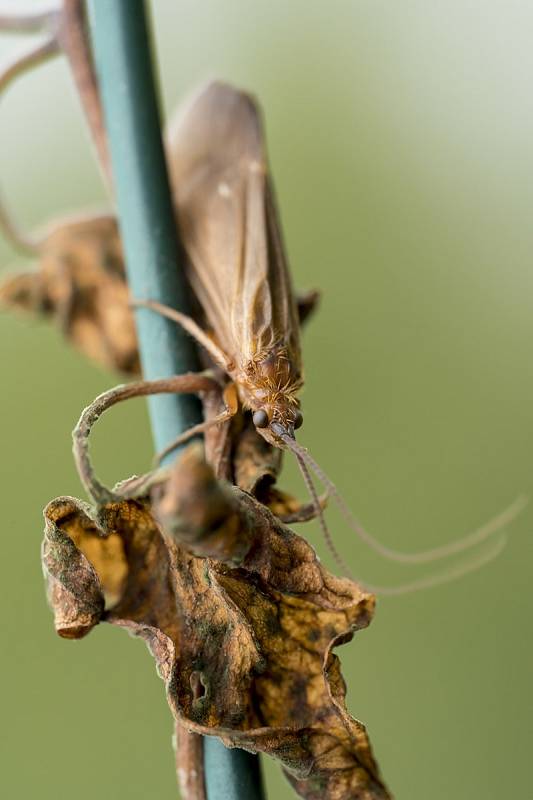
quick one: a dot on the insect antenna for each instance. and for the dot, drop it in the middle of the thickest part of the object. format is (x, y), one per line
(427, 582)
(447, 576)
(425, 556)
(311, 488)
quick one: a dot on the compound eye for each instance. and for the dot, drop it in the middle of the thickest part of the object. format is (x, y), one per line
(298, 420)
(260, 418)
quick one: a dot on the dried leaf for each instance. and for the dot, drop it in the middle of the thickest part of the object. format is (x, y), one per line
(80, 282)
(73, 586)
(242, 642)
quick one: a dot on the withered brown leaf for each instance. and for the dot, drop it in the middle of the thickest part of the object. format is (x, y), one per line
(80, 282)
(243, 642)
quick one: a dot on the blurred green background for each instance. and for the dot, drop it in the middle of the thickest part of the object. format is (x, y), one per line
(400, 136)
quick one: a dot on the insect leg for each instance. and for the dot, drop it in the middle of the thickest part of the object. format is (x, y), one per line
(306, 512)
(191, 382)
(289, 510)
(232, 406)
(188, 324)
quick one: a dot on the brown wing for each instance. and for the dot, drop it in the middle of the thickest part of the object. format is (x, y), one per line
(229, 225)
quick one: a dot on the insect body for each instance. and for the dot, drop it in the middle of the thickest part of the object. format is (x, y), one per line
(247, 317)
(236, 261)
(238, 272)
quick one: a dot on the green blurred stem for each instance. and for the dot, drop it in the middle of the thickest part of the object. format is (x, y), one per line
(154, 268)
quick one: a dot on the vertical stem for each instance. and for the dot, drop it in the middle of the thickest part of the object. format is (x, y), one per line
(154, 267)
(231, 774)
(146, 216)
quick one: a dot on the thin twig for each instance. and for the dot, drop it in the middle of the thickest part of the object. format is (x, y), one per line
(16, 66)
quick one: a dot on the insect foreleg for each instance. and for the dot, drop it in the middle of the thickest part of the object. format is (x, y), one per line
(305, 512)
(191, 383)
(188, 324)
(289, 510)
(232, 406)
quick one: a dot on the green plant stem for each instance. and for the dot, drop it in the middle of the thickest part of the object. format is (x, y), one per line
(154, 268)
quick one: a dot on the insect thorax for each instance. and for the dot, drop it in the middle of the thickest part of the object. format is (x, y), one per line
(270, 381)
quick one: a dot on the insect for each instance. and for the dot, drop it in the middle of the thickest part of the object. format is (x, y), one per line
(236, 263)
(238, 272)
(247, 318)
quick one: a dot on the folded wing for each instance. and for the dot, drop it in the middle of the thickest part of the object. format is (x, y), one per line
(229, 226)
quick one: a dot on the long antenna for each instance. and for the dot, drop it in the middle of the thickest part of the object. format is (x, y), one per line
(453, 548)
(428, 581)
(320, 514)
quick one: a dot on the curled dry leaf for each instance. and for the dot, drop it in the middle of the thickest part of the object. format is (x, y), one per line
(79, 281)
(238, 612)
